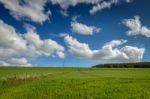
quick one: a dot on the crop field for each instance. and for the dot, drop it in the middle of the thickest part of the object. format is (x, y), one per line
(74, 83)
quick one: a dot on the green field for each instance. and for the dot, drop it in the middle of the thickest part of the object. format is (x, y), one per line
(74, 83)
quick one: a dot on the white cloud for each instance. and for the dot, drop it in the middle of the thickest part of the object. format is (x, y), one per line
(17, 49)
(110, 52)
(105, 4)
(134, 53)
(83, 29)
(78, 49)
(34, 10)
(136, 27)
(27, 9)
(97, 4)
(64, 12)
(62, 34)
(66, 3)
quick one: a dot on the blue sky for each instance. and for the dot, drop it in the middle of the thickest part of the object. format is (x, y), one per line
(73, 32)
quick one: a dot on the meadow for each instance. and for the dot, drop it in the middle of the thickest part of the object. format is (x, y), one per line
(74, 83)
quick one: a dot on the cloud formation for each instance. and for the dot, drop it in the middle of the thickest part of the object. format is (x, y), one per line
(136, 27)
(110, 52)
(64, 4)
(17, 49)
(102, 5)
(34, 10)
(83, 29)
(27, 9)
(106, 4)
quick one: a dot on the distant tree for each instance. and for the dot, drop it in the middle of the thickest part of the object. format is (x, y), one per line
(125, 65)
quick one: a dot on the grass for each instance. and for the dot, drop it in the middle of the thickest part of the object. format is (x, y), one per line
(74, 83)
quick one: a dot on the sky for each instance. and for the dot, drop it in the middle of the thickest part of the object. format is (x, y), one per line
(73, 33)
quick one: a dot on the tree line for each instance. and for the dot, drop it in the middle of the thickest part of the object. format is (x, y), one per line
(124, 65)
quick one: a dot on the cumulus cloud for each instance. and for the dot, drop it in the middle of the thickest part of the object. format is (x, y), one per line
(17, 49)
(66, 3)
(109, 52)
(97, 5)
(83, 29)
(136, 27)
(34, 10)
(105, 4)
(27, 9)
(78, 49)
(102, 5)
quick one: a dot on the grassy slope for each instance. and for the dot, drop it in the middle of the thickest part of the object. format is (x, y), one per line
(69, 83)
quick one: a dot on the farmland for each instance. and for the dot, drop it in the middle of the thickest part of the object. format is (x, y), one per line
(74, 83)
